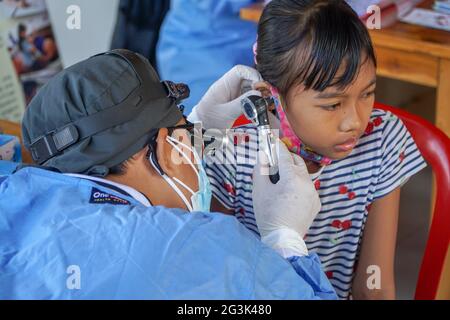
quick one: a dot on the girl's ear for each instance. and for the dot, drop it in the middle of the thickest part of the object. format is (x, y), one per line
(263, 87)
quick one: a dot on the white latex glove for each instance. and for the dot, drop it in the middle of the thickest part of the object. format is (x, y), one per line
(284, 211)
(221, 105)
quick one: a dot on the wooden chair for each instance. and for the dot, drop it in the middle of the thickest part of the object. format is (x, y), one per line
(435, 148)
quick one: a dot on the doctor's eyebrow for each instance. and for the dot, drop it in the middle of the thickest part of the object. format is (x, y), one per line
(328, 95)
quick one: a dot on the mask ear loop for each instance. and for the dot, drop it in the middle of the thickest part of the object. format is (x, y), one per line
(184, 185)
(151, 155)
(173, 185)
(172, 142)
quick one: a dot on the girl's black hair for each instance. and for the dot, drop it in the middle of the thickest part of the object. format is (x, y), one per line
(307, 41)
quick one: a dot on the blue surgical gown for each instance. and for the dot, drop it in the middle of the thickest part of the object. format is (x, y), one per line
(7, 167)
(201, 40)
(63, 237)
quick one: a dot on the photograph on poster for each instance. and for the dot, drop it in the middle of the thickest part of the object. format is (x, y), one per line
(21, 8)
(33, 51)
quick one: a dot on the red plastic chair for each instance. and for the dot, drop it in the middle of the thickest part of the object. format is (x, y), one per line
(435, 148)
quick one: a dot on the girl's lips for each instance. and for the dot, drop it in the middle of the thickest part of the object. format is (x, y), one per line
(346, 146)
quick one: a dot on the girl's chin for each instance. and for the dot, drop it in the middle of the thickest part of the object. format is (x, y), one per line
(338, 155)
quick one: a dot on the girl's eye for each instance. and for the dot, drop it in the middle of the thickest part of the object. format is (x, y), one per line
(331, 107)
(369, 94)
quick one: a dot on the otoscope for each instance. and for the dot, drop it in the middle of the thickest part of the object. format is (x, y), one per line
(256, 109)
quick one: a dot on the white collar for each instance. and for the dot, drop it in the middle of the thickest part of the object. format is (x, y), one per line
(131, 191)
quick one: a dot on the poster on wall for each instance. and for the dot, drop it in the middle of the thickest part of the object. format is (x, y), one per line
(12, 102)
(21, 8)
(31, 48)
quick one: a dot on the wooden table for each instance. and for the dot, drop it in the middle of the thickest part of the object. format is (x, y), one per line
(409, 53)
(413, 54)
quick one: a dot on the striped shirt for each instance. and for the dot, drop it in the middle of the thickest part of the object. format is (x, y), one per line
(383, 160)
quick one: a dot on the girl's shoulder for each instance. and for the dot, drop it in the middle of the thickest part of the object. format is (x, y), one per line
(380, 120)
(383, 132)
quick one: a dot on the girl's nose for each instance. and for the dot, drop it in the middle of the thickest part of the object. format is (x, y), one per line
(351, 120)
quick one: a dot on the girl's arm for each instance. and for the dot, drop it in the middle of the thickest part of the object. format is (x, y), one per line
(378, 249)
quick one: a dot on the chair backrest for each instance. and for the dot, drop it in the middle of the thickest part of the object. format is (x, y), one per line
(435, 148)
(15, 129)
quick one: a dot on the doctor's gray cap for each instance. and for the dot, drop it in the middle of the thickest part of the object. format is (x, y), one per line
(98, 113)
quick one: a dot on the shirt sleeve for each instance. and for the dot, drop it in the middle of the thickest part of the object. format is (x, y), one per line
(220, 166)
(7, 167)
(401, 158)
(230, 167)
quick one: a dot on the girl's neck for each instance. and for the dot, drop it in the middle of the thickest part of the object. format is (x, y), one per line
(313, 167)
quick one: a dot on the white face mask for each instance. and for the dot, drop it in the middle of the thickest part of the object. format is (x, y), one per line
(200, 200)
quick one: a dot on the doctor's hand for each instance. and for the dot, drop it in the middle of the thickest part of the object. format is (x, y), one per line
(221, 105)
(284, 211)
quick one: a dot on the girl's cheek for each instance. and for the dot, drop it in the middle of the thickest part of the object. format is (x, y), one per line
(367, 116)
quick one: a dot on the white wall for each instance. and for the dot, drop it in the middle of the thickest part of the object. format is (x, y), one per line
(98, 18)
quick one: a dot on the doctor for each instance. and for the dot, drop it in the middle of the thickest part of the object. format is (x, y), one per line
(117, 207)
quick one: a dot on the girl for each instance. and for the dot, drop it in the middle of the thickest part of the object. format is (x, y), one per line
(317, 59)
